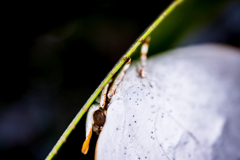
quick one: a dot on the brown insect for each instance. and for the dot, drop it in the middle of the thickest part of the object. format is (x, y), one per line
(96, 116)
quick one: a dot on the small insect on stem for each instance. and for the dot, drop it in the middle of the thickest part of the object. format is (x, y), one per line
(144, 50)
(97, 113)
(96, 116)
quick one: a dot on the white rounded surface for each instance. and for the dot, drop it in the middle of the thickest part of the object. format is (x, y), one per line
(188, 107)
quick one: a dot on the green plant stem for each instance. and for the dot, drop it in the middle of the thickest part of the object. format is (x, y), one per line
(109, 76)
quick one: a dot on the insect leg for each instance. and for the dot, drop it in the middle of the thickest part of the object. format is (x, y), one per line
(144, 50)
(118, 79)
(104, 95)
(89, 124)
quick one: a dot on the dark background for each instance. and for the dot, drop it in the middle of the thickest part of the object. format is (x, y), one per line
(54, 56)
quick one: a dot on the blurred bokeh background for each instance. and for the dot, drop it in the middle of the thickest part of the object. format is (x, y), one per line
(54, 56)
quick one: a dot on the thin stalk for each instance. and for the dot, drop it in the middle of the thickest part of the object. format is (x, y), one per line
(84, 109)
